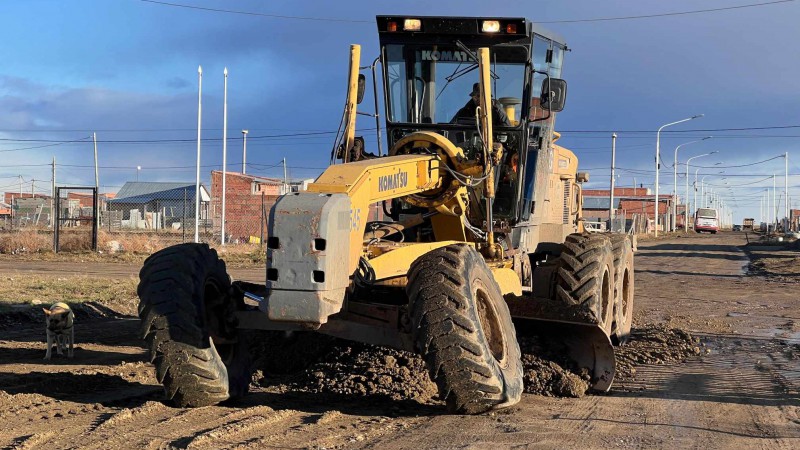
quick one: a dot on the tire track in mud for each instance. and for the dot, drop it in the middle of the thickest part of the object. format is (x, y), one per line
(330, 429)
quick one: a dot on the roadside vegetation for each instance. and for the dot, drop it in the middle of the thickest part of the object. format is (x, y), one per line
(134, 248)
(39, 289)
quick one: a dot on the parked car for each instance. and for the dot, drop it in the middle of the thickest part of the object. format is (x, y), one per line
(737, 228)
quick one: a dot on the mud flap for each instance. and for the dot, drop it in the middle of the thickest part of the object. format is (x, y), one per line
(588, 345)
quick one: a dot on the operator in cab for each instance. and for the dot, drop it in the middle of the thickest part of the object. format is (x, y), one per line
(499, 117)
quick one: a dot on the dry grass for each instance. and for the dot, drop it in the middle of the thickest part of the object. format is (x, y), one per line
(27, 241)
(24, 288)
(133, 247)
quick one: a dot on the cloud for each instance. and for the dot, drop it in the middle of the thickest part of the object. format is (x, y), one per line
(177, 83)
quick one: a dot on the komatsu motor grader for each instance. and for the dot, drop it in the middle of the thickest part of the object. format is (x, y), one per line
(480, 222)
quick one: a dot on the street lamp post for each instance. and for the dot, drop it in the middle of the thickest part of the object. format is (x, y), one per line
(686, 212)
(244, 151)
(675, 183)
(138, 168)
(658, 161)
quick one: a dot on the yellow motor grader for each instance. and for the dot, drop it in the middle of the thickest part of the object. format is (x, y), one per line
(480, 231)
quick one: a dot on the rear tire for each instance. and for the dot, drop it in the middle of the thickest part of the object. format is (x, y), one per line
(187, 317)
(623, 288)
(585, 278)
(463, 330)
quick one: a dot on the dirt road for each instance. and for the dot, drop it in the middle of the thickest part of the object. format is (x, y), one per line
(744, 393)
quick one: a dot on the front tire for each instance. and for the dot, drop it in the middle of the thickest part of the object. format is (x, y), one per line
(187, 310)
(585, 278)
(463, 330)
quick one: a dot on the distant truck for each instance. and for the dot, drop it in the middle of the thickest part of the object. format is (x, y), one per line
(748, 224)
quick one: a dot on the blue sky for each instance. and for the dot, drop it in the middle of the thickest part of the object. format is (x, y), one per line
(127, 69)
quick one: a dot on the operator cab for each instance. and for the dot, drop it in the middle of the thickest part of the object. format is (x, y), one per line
(430, 75)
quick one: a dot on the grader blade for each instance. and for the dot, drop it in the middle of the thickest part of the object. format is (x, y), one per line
(587, 344)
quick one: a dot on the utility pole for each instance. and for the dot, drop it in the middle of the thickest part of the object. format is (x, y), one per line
(611, 191)
(224, 150)
(20, 186)
(285, 180)
(33, 188)
(197, 178)
(96, 173)
(774, 206)
(244, 151)
(786, 189)
(53, 205)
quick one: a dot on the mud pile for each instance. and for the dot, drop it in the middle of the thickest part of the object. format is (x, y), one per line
(655, 344)
(548, 371)
(315, 363)
(310, 362)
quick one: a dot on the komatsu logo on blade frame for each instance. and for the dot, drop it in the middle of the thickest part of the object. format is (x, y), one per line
(436, 55)
(395, 181)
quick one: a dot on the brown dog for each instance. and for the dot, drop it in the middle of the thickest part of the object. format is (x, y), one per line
(60, 321)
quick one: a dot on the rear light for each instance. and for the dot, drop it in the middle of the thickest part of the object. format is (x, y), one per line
(391, 27)
(412, 25)
(490, 26)
(511, 28)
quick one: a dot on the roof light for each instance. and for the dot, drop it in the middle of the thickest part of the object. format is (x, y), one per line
(391, 26)
(511, 28)
(490, 26)
(412, 25)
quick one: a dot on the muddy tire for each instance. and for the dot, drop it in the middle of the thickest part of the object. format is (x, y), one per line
(585, 278)
(186, 309)
(463, 330)
(622, 250)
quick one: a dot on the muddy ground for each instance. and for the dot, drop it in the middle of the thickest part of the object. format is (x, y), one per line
(714, 362)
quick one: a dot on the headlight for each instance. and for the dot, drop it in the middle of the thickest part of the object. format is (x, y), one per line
(490, 26)
(412, 25)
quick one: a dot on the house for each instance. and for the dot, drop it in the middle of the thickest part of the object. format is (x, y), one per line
(157, 205)
(5, 211)
(630, 203)
(248, 200)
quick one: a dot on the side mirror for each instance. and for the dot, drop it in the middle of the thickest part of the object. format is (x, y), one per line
(362, 85)
(554, 94)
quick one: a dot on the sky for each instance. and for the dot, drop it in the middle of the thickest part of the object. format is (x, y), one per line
(127, 70)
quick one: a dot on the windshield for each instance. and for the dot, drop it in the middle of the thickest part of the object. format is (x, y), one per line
(707, 213)
(434, 83)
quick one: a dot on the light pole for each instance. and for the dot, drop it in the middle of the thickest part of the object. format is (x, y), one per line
(244, 151)
(686, 211)
(224, 151)
(675, 183)
(138, 168)
(658, 160)
(786, 190)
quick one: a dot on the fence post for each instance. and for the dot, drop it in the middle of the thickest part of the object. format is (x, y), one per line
(263, 218)
(183, 223)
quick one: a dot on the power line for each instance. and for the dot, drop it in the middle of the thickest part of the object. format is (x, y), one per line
(679, 13)
(156, 141)
(595, 19)
(741, 165)
(693, 130)
(250, 13)
(48, 145)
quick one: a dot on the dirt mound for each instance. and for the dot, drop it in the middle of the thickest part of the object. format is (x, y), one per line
(26, 314)
(548, 371)
(655, 344)
(311, 362)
